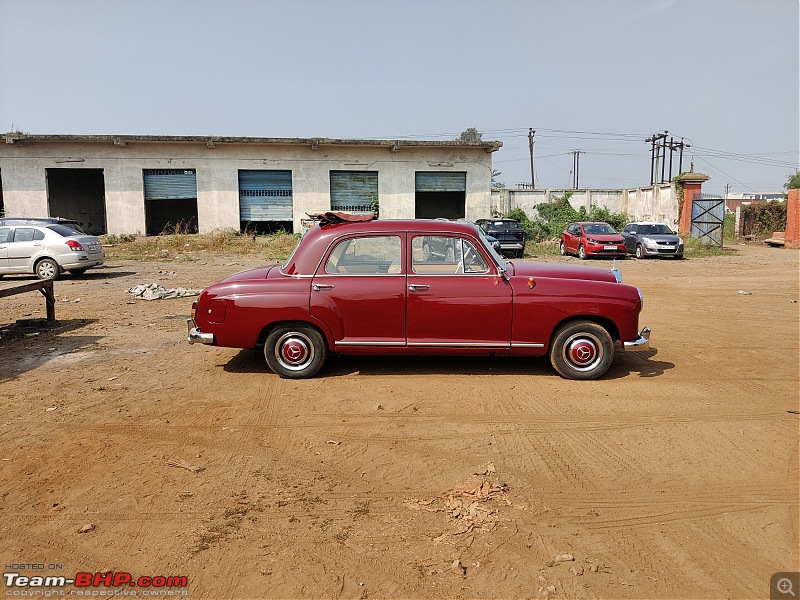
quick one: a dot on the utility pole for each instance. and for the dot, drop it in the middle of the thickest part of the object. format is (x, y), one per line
(658, 149)
(576, 157)
(658, 156)
(531, 133)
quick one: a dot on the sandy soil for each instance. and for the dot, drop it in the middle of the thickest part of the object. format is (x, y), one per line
(675, 476)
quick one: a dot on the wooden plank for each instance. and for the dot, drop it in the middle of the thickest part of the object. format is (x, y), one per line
(45, 287)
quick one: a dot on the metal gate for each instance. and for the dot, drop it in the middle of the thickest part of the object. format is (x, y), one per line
(265, 196)
(708, 214)
(354, 191)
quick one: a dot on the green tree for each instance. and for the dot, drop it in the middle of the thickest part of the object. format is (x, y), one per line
(470, 135)
(793, 182)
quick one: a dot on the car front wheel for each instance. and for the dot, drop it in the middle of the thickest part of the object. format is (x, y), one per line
(639, 251)
(581, 350)
(581, 252)
(295, 351)
(563, 249)
(47, 268)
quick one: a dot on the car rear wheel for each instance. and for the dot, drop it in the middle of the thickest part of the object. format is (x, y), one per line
(581, 252)
(581, 350)
(295, 351)
(563, 249)
(639, 251)
(47, 268)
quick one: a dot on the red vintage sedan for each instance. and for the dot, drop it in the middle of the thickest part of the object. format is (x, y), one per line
(592, 239)
(370, 287)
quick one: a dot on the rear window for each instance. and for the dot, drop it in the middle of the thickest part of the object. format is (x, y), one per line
(63, 230)
(494, 225)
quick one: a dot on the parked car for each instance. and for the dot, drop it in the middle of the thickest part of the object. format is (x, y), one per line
(47, 250)
(369, 288)
(586, 239)
(508, 232)
(652, 239)
(493, 241)
(42, 221)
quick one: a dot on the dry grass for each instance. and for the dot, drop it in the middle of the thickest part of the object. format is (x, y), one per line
(160, 247)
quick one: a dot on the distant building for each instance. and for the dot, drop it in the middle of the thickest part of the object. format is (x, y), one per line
(733, 201)
(146, 184)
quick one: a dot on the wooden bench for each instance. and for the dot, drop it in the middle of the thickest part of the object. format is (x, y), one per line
(45, 287)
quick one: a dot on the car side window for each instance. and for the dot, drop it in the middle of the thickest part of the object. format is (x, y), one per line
(444, 255)
(4, 231)
(23, 234)
(632, 228)
(367, 255)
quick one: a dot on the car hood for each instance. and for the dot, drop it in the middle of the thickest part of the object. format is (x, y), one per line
(661, 237)
(259, 274)
(614, 238)
(556, 271)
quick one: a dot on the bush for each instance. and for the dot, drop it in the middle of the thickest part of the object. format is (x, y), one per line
(760, 219)
(555, 216)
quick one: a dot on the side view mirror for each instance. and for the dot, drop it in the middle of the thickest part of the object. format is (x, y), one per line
(503, 272)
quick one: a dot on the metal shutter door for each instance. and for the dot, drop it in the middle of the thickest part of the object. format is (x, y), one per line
(170, 184)
(265, 195)
(438, 181)
(353, 191)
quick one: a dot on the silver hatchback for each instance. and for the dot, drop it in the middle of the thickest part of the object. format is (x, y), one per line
(47, 250)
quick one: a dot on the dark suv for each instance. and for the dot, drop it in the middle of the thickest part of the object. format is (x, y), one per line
(506, 231)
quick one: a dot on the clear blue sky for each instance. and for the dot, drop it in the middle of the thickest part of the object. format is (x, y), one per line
(723, 74)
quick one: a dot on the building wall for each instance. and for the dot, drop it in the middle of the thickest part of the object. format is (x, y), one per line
(22, 168)
(654, 203)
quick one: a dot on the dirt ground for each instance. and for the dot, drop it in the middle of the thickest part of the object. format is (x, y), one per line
(675, 476)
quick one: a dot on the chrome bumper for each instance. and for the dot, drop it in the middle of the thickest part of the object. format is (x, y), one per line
(196, 336)
(640, 344)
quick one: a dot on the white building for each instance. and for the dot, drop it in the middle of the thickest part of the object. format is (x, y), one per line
(144, 184)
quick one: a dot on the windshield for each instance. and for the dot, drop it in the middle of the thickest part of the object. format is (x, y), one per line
(66, 230)
(654, 230)
(599, 229)
(498, 259)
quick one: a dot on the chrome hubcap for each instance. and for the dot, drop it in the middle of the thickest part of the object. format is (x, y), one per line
(294, 351)
(583, 352)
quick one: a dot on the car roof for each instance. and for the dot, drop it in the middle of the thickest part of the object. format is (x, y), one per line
(36, 221)
(591, 223)
(317, 239)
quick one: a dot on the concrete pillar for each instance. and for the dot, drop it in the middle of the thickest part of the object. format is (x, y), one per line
(792, 235)
(692, 186)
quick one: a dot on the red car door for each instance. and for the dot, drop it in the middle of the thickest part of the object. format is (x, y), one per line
(456, 302)
(359, 291)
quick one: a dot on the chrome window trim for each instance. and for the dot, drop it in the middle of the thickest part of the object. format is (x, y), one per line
(368, 343)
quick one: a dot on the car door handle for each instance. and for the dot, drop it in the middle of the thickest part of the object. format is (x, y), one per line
(418, 286)
(322, 286)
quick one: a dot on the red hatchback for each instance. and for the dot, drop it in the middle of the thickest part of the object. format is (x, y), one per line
(586, 239)
(371, 288)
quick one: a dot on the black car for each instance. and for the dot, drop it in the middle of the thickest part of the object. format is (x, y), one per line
(506, 231)
(652, 239)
